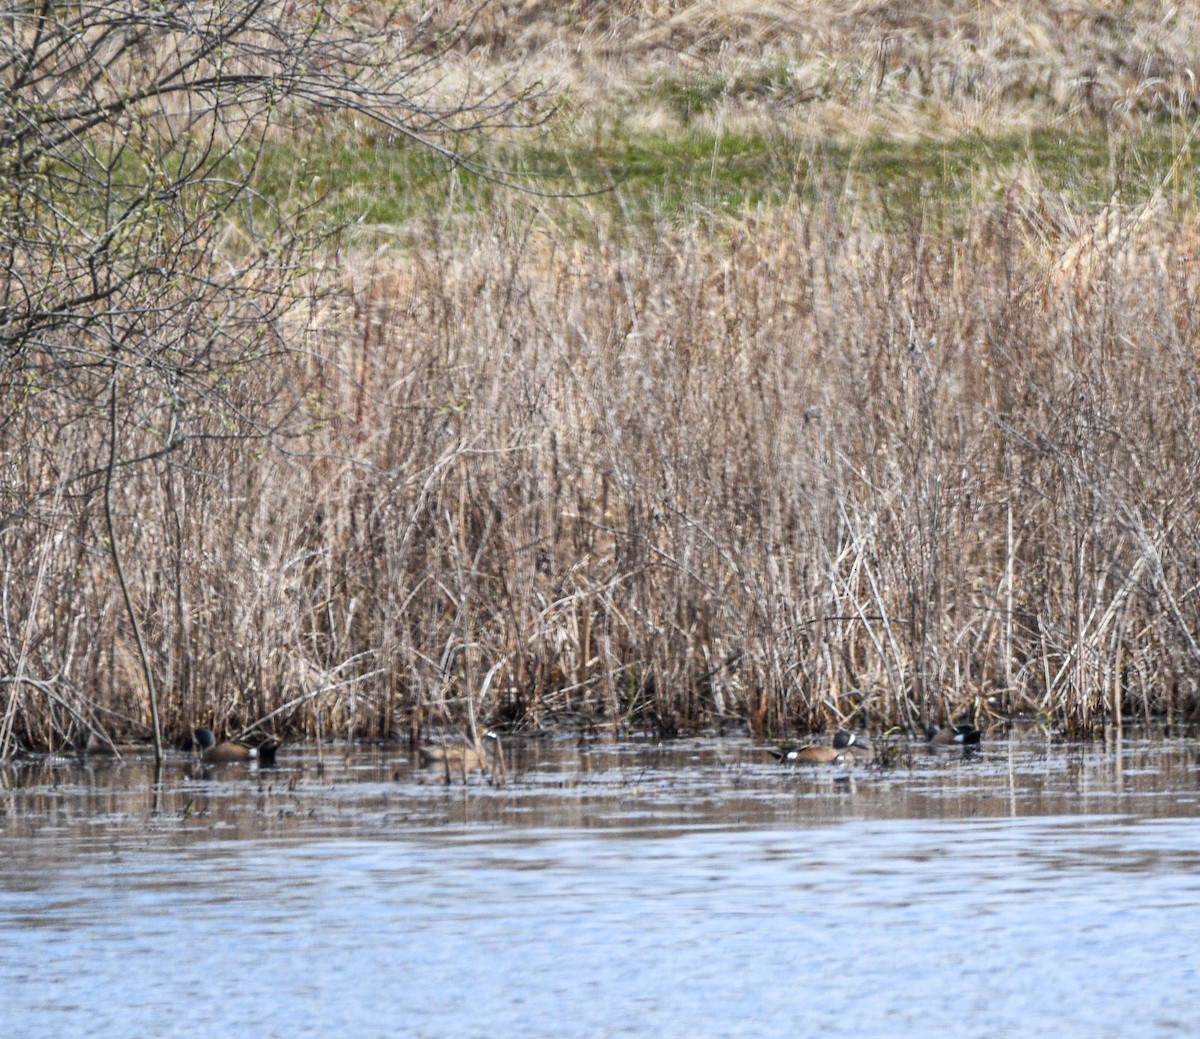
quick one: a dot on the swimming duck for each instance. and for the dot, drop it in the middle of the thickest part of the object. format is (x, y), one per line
(810, 754)
(463, 757)
(961, 734)
(232, 751)
(854, 743)
(847, 747)
(807, 754)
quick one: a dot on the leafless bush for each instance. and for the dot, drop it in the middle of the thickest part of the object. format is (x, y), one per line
(142, 281)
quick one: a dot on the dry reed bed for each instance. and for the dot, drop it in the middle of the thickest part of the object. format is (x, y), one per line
(791, 473)
(849, 66)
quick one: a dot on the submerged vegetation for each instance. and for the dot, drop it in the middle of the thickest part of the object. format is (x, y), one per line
(839, 368)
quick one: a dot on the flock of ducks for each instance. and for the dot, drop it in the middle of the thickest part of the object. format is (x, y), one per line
(451, 758)
(850, 747)
(461, 758)
(846, 748)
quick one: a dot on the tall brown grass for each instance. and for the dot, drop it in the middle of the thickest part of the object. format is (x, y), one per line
(784, 472)
(852, 67)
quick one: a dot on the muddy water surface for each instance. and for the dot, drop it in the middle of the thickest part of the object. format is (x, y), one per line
(693, 889)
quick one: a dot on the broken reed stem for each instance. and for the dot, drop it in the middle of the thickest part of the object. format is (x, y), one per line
(114, 550)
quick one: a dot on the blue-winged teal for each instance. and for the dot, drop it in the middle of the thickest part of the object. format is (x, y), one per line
(961, 734)
(807, 754)
(463, 757)
(847, 747)
(232, 751)
(854, 743)
(813, 755)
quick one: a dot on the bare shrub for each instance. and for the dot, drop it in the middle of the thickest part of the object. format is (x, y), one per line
(143, 283)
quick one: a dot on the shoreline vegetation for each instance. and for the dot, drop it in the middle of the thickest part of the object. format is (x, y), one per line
(839, 370)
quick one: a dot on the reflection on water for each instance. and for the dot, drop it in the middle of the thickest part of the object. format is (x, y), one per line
(626, 890)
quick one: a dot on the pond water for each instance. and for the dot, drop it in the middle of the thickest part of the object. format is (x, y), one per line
(694, 888)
